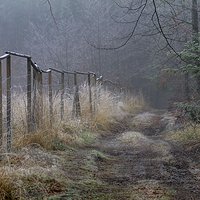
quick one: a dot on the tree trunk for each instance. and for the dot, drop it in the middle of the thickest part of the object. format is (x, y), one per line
(187, 75)
(187, 87)
(195, 29)
(195, 20)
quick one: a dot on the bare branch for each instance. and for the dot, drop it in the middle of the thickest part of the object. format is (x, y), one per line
(52, 15)
(128, 37)
(162, 32)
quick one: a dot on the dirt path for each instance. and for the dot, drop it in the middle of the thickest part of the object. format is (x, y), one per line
(154, 168)
(134, 166)
(147, 162)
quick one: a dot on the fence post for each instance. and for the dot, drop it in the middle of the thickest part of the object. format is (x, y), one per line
(50, 98)
(29, 100)
(95, 93)
(9, 133)
(76, 103)
(100, 85)
(40, 92)
(34, 100)
(1, 113)
(90, 93)
(62, 95)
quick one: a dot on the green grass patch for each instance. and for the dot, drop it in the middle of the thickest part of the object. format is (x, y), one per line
(86, 138)
(187, 135)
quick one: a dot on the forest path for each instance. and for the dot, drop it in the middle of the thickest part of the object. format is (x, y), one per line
(144, 160)
(135, 165)
(149, 166)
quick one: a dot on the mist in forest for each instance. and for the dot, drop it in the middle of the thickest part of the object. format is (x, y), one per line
(136, 44)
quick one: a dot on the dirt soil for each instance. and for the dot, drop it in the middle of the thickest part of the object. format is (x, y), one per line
(136, 164)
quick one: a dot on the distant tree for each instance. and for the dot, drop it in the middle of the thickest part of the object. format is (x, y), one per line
(195, 28)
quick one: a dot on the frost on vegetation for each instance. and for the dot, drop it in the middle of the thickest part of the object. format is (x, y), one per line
(169, 121)
(31, 172)
(108, 106)
(32, 159)
(139, 141)
(145, 118)
(134, 138)
(40, 156)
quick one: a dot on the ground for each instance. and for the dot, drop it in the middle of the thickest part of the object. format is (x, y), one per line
(136, 161)
(136, 164)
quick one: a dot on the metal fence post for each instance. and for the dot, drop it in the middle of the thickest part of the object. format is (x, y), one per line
(9, 133)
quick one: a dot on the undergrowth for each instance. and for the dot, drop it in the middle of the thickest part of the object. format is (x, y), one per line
(187, 135)
(110, 111)
(7, 187)
(35, 169)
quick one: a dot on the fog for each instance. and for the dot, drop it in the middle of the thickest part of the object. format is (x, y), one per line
(129, 42)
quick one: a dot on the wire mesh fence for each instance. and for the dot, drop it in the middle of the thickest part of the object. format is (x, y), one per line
(32, 97)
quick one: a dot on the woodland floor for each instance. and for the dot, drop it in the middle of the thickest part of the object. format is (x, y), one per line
(121, 166)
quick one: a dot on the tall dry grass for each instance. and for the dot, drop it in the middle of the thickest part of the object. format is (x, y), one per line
(34, 168)
(107, 105)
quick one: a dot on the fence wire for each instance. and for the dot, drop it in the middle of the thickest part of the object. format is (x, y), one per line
(31, 97)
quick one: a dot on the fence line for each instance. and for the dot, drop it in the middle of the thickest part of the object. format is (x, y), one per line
(35, 85)
(39, 85)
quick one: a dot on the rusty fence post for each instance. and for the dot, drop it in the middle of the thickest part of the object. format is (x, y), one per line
(62, 96)
(50, 98)
(9, 132)
(29, 96)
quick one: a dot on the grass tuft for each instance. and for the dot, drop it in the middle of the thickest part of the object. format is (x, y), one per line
(47, 139)
(187, 135)
(6, 186)
(134, 104)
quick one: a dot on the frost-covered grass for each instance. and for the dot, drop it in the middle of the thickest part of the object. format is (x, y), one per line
(187, 135)
(108, 107)
(42, 161)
